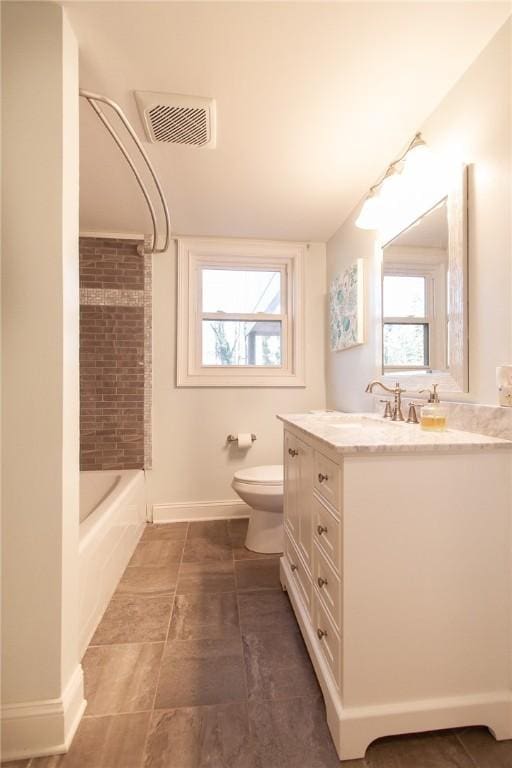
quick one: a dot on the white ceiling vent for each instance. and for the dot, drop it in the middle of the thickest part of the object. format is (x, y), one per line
(178, 119)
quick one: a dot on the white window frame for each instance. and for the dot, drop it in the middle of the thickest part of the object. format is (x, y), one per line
(433, 276)
(195, 254)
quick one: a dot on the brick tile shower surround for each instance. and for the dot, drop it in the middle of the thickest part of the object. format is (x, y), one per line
(115, 355)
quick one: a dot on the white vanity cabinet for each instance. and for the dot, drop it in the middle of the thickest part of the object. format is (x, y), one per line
(297, 502)
(313, 540)
(398, 567)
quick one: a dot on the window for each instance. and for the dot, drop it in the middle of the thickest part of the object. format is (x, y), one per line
(239, 314)
(413, 337)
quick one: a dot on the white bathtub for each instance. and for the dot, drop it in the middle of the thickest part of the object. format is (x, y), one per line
(112, 518)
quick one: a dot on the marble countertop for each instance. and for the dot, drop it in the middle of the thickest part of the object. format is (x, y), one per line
(369, 432)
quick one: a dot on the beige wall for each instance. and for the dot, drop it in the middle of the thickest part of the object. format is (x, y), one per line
(190, 459)
(473, 124)
(40, 661)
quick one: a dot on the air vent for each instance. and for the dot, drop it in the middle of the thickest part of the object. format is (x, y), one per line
(177, 119)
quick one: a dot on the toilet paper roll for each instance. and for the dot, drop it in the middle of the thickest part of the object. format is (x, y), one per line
(244, 439)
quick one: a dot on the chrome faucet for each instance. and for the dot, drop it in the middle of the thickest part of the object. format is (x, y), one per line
(397, 392)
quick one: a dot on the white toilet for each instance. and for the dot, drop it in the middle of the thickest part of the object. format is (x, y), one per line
(262, 489)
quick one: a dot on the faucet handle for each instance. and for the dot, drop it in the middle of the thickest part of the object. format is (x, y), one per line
(412, 416)
(388, 413)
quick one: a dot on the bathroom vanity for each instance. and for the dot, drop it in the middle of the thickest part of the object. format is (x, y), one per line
(397, 562)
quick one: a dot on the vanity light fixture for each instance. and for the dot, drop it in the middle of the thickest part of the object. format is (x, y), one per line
(369, 214)
(389, 183)
(418, 155)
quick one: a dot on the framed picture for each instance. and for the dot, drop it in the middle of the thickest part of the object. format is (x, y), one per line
(346, 308)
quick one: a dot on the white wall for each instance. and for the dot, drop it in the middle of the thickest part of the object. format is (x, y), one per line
(41, 674)
(473, 124)
(190, 459)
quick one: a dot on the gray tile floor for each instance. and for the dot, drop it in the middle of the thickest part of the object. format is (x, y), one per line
(198, 663)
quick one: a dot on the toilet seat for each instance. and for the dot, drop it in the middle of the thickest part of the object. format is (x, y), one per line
(271, 474)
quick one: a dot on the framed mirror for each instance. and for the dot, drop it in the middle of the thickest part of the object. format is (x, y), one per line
(424, 297)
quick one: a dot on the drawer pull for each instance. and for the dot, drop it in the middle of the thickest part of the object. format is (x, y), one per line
(293, 452)
(293, 567)
(322, 478)
(321, 582)
(321, 529)
(321, 633)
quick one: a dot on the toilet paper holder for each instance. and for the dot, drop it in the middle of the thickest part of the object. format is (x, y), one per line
(234, 438)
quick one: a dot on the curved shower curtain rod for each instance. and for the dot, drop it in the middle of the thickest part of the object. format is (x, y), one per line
(93, 98)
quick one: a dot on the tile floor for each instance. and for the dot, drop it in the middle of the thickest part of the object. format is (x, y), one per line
(198, 663)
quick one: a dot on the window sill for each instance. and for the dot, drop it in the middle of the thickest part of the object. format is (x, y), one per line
(232, 379)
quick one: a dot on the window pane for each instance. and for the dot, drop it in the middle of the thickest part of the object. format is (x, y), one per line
(233, 342)
(243, 291)
(405, 344)
(404, 296)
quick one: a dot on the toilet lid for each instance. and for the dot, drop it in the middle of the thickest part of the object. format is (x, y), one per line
(268, 475)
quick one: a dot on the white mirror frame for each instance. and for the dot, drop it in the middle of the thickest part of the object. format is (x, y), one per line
(456, 378)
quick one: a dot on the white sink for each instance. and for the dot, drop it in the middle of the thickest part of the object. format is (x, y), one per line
(352, 420)
(336, 419)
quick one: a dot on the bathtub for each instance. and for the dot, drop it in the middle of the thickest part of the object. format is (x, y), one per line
(112, 518)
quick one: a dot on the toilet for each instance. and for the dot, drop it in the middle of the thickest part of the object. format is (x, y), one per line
(262, 489)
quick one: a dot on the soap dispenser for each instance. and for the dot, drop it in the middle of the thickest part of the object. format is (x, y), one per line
(433, 414)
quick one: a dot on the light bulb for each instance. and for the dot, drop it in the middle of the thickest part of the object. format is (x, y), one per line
(418, 159)
(394, 199)
(424, 175)
(369, 216)
(392, 186)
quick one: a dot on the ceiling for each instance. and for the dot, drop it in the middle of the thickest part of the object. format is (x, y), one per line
(313, 101)
(431, 231)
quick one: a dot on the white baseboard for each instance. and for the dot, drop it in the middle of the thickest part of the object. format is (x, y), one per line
(46, 727)
(199, 510)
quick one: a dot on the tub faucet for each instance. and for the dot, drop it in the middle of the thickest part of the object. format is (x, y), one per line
(397, 392)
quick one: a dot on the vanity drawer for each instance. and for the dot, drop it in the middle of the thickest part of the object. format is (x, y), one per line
(327, 479)
(327, 532)
(328, 585)
(329, 640)
(299, 572)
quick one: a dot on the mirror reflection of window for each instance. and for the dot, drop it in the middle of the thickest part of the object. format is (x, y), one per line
(404, 295)
(415, 296)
